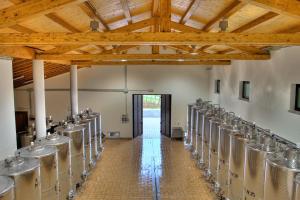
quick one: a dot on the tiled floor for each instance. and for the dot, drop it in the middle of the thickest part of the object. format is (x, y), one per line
(145, 168)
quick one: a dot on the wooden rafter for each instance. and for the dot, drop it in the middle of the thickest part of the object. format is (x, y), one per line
(286, 7)
(190, 11)
(20, 52)
(92, 12)
(22, 29)
(96, 38)
(125, 7)
(226, 13)
(184, 28)
(256, 22)
(13, 15)
(153, 56)
(172, 63)
(135, 26)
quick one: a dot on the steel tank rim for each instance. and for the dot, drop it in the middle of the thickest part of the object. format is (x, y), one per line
(37, 151)
(273, 163)
(29, 165)
(55, 140)
(6, 184)
(254, 147)
(75, 128)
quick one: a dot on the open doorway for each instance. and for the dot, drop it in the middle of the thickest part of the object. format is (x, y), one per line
(151, 115)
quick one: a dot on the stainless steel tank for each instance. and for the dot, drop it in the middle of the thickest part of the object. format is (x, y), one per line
(99, 132)
(226, 129)
(214, 150)
(76, 133)
(281, 170)
(206, 142)
(255, 164)
(6, 188)
(189, 126)
(195, 133)
(94, 140)
(48, 168)
(63, 147)
(89, 161)
(238, 143)
(26, 175)
(296, 189)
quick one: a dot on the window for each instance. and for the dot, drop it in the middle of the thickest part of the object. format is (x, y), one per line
(245, 90)
(297, 98)
(217, 86)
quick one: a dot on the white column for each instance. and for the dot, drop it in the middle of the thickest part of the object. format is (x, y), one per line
(39, 97)
(8, 142)
(74, 90)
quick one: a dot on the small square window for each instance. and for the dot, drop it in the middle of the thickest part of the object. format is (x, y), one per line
(217, 86)
(297, 97)
(245, 90)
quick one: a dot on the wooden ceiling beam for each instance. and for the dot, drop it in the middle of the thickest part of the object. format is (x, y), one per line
(153, 56)
(234, 7)
(96, 38)
(19, 52)
(119, 49)
(156, 28)
(190, 11)
(165, 63)
(54, 17)
(125, 7)
(15, 14)
(92, 12)
(165, 15)
(285, 7)
(256, 22)
(22, 29)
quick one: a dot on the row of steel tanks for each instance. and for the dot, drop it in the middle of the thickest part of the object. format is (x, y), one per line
(242, 161)
(53, 167)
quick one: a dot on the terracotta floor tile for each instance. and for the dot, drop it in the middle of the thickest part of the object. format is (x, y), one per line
(149, 168)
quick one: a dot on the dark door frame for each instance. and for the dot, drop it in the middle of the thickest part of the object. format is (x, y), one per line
(168, 132)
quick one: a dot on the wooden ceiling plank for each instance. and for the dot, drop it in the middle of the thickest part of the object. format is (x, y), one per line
(54, 17)
(15, 14)
(165, 63)
(285, 7)
(96, 38)
(154, 56)
(92, 12)
(125, 7)
(190, 11)
(256, 22)
(234, 7)
(165, 16)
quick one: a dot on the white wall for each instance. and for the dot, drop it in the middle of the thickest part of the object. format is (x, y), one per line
(270, 91)
(8, 142)
(185, 83)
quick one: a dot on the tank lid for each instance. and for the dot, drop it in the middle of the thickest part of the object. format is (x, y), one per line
(55, 139)
(13, 166)
(38, 150)
(6, 184)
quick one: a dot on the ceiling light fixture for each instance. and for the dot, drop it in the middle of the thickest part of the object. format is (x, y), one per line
(180, 60)
(123, 60)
